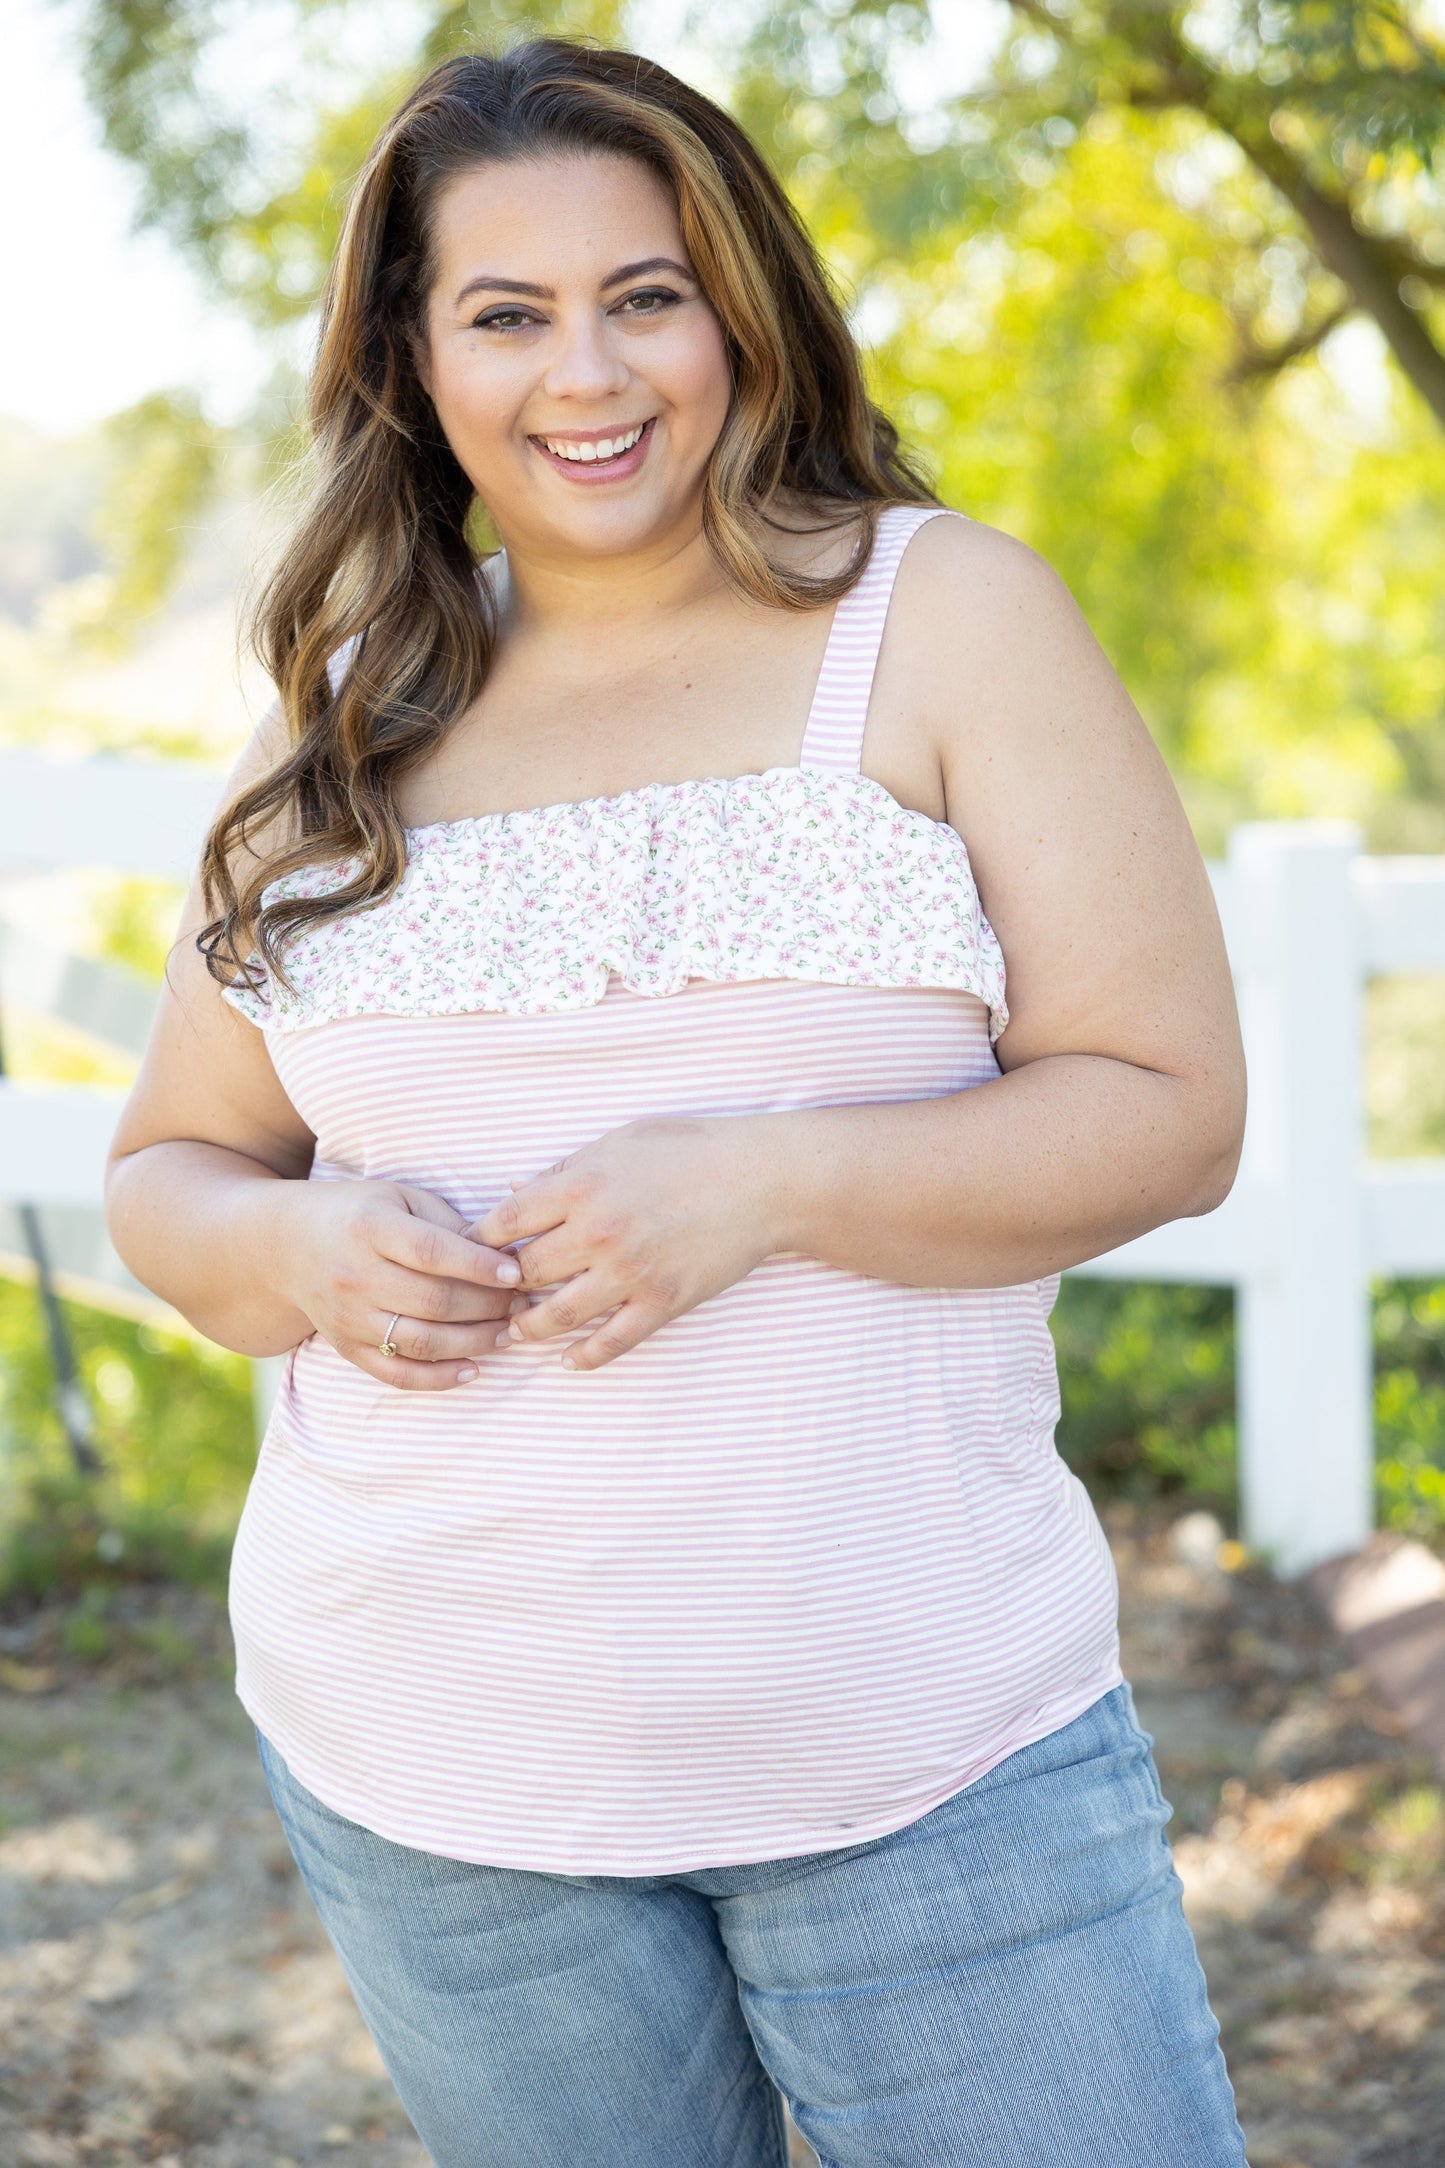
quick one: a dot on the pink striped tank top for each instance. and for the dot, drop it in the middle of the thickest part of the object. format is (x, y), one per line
(804, 1563)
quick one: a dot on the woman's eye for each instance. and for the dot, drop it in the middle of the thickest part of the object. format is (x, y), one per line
(650, 302)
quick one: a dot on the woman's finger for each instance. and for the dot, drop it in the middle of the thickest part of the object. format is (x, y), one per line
(411, 1369)
(534, 1209)
(419, 1342)
(566, 1309)
(422, 1246)
(633, 1323)
(557, 1255)
(410, 1377)
(431, 1301)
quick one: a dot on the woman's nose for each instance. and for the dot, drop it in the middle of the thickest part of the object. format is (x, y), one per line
(584, 362)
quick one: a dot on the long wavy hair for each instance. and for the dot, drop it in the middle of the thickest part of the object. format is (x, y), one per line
(380, 564)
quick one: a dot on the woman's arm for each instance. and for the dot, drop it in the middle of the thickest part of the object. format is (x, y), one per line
(208, 1203)
(1122, 1101)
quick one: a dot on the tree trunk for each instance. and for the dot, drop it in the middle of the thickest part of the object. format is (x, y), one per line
(1356, 259)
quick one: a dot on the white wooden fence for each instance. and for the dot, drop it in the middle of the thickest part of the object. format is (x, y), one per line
(1311, 1221)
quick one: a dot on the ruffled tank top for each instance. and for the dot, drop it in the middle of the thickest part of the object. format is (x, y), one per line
(805, 1562)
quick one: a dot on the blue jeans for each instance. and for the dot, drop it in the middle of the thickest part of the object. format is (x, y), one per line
(1008, 1982)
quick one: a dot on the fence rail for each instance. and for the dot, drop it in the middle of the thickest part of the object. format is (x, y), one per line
(1308, 921)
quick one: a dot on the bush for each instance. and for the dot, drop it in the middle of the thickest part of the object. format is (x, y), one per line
(1148, 1395)
(1410, 1406)
(1147, 1378)
(176, 1432)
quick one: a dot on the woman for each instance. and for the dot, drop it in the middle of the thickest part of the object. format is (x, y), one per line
(682, 1665)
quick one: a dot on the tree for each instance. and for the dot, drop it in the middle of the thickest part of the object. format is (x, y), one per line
(250, 186)
(1339, 104)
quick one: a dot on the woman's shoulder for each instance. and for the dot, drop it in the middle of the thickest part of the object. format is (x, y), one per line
(262, 753)
(977, 612)
(960, 563)
(951, 564)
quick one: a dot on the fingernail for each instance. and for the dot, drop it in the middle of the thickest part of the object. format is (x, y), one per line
(467, 1372)
(567, 1363)
(508, 1273)
(503, 1340)
(514, 1331)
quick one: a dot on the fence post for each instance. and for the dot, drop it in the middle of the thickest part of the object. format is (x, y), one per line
(1303, 1305)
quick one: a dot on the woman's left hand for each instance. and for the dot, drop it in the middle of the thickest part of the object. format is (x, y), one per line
(646, 1222)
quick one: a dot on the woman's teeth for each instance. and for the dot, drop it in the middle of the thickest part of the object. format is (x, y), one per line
(600, 448)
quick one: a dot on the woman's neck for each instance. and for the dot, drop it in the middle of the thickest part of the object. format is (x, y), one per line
(551, 591)
(547, 590)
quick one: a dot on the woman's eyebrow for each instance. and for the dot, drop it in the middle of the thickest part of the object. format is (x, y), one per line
(490, 282)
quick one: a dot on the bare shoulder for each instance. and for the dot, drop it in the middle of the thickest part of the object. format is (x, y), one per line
(267, 745)
(1080, 847)
(262, 752)
(977, 607)
(958, 549)
(1005, 676)
(187, 976)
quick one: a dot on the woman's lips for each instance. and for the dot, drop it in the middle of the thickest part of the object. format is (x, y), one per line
(595, 471)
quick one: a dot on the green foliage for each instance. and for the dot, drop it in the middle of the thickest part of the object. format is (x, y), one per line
(175, 1429)
(167, 460)
(154, 470)
(1137, 472)
(1338, 104)
(135, 923)
(1405, 1076)
(48, 489)
(1147, 1376)
(1148, 1395)
(1070, 368)
(1410, 1407)
(251, 188)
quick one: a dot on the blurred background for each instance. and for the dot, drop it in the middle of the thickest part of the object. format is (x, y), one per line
(1158, 288)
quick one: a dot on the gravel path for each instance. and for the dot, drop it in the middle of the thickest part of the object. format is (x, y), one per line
(166, 1996)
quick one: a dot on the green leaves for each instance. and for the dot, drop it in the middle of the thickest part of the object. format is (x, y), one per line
(1340, 104)
(167, 459)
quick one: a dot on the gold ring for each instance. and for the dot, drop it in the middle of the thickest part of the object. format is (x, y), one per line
(388, 1345)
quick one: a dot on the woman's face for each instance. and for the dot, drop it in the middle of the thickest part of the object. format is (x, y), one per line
(578, 371)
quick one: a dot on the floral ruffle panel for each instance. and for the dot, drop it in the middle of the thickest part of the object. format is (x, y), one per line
(795, 873)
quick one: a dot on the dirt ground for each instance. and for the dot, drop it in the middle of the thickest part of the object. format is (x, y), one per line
(167, 1997)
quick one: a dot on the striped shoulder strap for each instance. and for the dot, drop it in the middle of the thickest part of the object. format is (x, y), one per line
(834, 735)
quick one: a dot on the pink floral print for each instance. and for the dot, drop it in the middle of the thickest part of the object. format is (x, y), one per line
(793, 873)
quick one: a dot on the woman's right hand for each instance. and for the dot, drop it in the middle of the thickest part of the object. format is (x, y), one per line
(350, 1254)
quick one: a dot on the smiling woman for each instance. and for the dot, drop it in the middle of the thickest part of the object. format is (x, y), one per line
(638, 345)
(682, 1664)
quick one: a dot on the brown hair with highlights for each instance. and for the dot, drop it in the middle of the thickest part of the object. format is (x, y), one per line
(379, 562)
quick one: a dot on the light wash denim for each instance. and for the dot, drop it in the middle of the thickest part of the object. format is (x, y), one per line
(1008, 1982)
